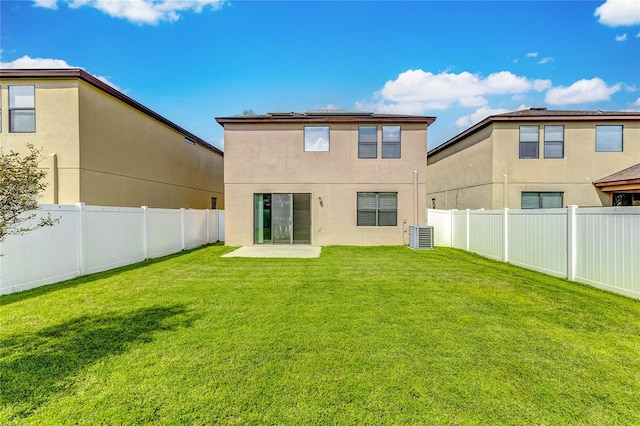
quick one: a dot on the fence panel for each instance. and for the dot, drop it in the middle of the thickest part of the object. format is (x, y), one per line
(538, 240)
(195, 228)
(441, 222)
(164, 232)
(213, 226)
(608, 254)
(221, 231)
(112, 237)
(459, 232)
(43, 256)
(486, 233)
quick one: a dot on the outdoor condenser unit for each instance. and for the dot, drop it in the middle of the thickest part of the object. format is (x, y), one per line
(421, 237)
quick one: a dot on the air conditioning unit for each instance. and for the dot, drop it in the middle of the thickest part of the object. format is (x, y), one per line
(421, 237)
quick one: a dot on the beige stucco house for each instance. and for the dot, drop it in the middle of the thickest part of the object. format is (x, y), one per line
(324, 177)
(101, 147)
(537, 158)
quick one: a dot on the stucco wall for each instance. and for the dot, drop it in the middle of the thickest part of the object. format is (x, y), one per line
(128, 159)
(57, 124)
(485, 171)
(262, 158)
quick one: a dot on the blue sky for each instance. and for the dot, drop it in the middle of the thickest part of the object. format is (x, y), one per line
(194, 60)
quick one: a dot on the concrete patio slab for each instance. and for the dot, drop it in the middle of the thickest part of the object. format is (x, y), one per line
(293, 251)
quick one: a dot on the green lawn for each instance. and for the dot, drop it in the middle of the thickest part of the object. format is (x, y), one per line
(377, 335)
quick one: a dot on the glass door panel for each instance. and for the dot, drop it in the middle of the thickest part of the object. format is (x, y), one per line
(281, 210)
(301, 218)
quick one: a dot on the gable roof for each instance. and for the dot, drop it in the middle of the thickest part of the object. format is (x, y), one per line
(538, 114)
(628, 176)
(325, 116)
(88, 78)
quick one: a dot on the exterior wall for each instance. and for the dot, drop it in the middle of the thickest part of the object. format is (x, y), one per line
(128, 159)
(461, 177)
(101, 151)
(457, 175)
(57, 134)
(270, 158)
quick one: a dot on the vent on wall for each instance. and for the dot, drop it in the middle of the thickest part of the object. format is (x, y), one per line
(421, 237)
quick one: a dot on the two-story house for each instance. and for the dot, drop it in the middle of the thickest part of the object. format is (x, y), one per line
(324, 177)
(538, 158)
(101, 147)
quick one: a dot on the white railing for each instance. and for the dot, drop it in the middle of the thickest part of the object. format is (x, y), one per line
(596, 246)
(91, 239)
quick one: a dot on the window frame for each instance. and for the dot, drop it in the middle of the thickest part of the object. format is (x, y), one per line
(14, 108)
(602, 126)
(391, 143)
(307, 144)
(365, 143)
(541, 197)
(527, 142)
(381, 214)
(550, 142)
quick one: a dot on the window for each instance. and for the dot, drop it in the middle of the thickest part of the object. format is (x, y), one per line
(214, 203)
(529, 141)
(553, 141)
(367, 142)
(390, 141)
(541, 200)
(316, 138)
(22, 113)
(625, 199)
(377, 209)
(608, 138)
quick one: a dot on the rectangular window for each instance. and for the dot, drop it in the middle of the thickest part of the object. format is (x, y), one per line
(529, 142)
(214, 203)
(553, 141)
(608, 138)
(390, 141)
(541, 200)
(22, 109)
(367, 142)
(316, 139)
(377, 209)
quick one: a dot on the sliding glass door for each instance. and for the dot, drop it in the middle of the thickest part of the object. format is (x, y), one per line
(282, 218)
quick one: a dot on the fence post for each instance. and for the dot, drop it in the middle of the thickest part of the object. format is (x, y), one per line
(467, 230)
(182, 219)
(451, 231)
(571, 243)
(145, 231)
(505, 234)
(206, 218)
(82, 267)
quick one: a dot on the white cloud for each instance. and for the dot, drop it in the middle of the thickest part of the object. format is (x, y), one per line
(478, 115)
(139, 11)
(582, 91)
(617, 13)
(417, 91)
(636, 103)
(622, 37)
(27, 62)
(545, 60)
(531, 55)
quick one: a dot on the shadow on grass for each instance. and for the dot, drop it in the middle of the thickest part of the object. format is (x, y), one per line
(37, 366)
(8, 299)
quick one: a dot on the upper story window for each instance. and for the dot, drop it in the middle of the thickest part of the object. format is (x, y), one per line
(529, 141)
(316, 138)
(22, 109)
(390, 141)
(367, 142)
(553, 141)
(377, 209)
(609, 138)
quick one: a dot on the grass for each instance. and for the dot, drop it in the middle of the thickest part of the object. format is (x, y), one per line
(377, 335)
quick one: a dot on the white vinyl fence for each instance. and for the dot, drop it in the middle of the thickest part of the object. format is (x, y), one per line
(91, 239)
(596, 246)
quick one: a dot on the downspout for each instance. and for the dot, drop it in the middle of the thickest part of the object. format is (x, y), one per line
(505, 192)
(415, 197)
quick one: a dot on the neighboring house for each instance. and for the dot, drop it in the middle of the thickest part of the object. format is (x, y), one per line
(536, 159)
(102, 147)
(324, 177)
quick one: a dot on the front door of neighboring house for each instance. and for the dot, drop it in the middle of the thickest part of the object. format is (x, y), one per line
(282, 218)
